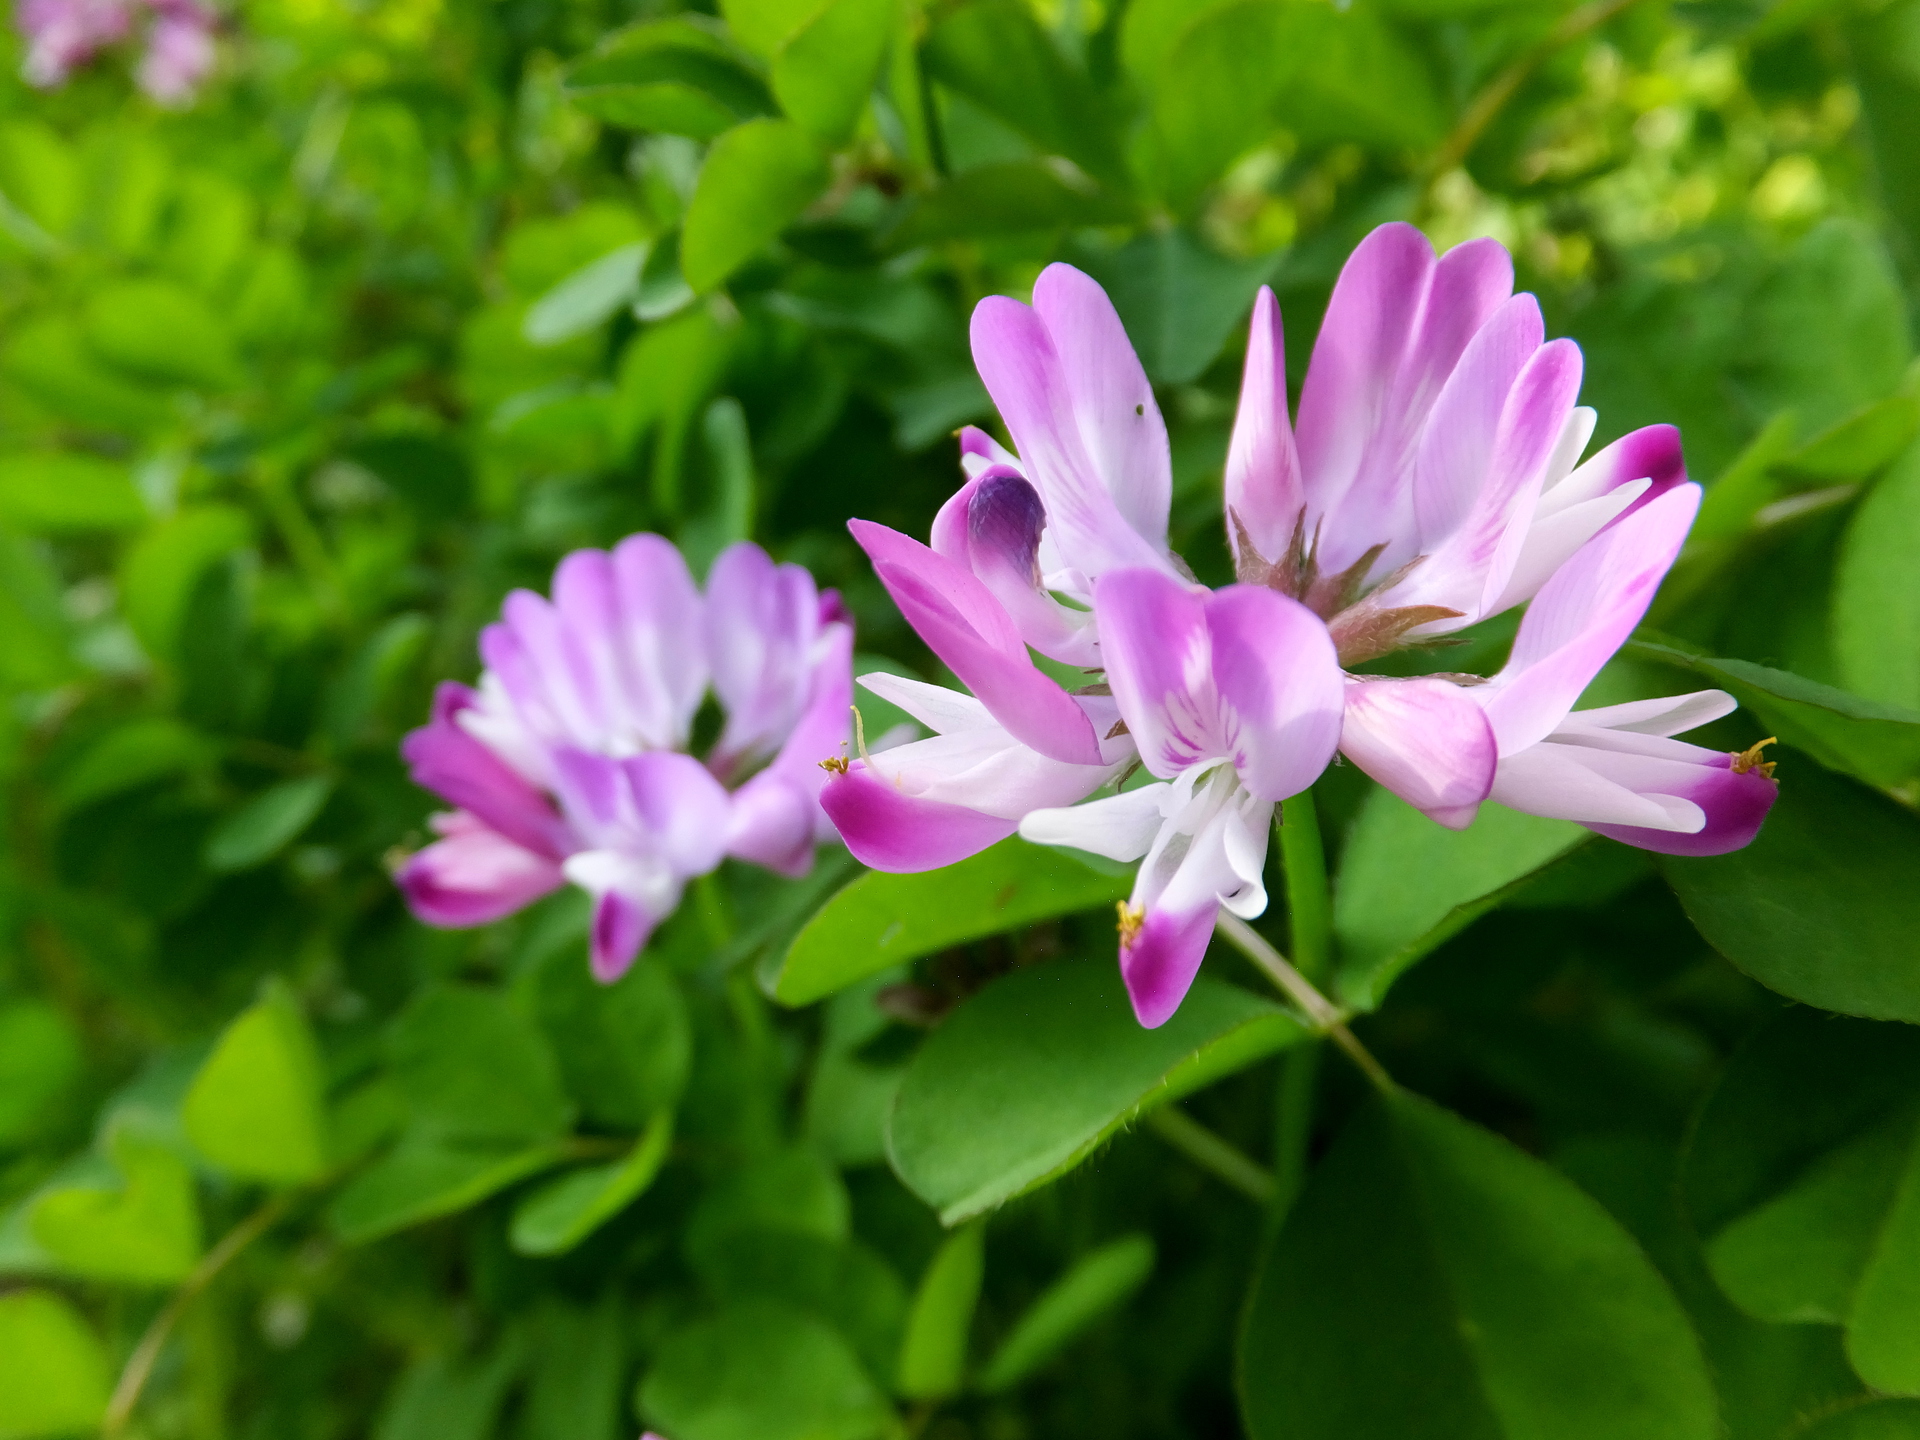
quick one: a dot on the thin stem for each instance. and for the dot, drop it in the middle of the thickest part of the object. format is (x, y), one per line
(1309, 905)
(1321, 1013)
(1211, 1153)
(1488, 104)
(146, 1354)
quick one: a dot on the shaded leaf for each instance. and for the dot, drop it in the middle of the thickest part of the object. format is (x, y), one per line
(267, 824)
(1026, 1079)
(1097, 1283)
(562, 1213)
(933, 1352)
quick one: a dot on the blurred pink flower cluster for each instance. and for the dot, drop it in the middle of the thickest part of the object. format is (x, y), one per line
(63, 35)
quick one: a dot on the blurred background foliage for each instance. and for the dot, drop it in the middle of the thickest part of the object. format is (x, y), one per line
(298, 381)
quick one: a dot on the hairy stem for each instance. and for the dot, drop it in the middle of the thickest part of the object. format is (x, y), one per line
(1211, 1153)
(1321, 1013)
(133, 1379)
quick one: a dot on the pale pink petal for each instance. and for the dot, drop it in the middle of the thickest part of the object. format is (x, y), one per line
(763, 621)
(1119, 420)
(1565, 782)
(1154, 638)
(1581, 617)
(473, 876)
(1263, 487)
(1425, 740)
(621, 928)
(1651, 453)
(971, 632)
(680, 808)
(773, 820)
(663, 631)
(989, 771)
(1025, 375)
(444, 758)
(1279, 687)
(1734, 804)
(1669, 715)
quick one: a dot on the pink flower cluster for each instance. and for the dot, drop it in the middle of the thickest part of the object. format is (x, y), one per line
(63, 35)
(571, 762)
(1431, 479)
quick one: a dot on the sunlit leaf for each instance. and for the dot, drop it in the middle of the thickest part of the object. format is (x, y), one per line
(758, 178)
(257, 1107)
(53, 1368)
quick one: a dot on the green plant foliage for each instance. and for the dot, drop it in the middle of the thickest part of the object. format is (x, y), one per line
(1029, 1078)
(303, 375)
(53, 1370)
(1532, 1313)
(880, 921)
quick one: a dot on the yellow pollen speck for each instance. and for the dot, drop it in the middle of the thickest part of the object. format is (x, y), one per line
(1749, 759)
(835, 764)
(1132, 919)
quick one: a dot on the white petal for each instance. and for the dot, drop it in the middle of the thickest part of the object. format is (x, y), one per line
(943, 711)
(1120, 827)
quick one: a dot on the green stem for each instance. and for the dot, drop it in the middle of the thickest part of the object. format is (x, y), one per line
(1309, 904)
(1211, 1153)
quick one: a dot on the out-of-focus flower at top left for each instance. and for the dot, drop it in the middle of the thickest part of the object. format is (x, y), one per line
(572, 759)
(63, 35)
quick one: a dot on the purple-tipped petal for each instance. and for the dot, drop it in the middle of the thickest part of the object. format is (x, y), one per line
(902, 834)
(1112, 398)
(1263, 487)
(447, 760)
(1735, 805)
(1581, 617)
(1004, 521)
(1651, 453)
(971, 632)
(1027, 378)
(1279, 684)
(1425, 740)
(1159, 962)
(621, 928)
(474, 875)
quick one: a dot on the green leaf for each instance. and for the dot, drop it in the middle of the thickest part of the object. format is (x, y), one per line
(160, 572)
(1351, 77)
(146, 1231)
(1803, 1179)
(672, 75)
(1405, 884)
(933, 1352)
(256, 1108)
(562, 1213)
(1860, 445)
(761, 1371)
(624, 1049)
(128, 756)
(883, 920)
(1876, 605)
(1434, 1280)
(447, 1398)
(1821, 906)
(53, 1369)
(162, 332)
(1865, 1420)
(792, 1189)
(1179, 300)
(423, 1179)
(841, 1282)
(1014, 197)
(758, 177)
(1213, 94)
(1878, 742)
(764, 25)
(1099, 1282)
(587, 298)
(55, 493)
(579, 1373)
(995, 53)
(266, 824)
(824, 71)
(1026, 1079)
(473, 1068)
(51, 361)
(39, 1061)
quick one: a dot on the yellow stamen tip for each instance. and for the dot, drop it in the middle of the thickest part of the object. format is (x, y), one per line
(835, 764)
(1749, 759)
(1133, 919)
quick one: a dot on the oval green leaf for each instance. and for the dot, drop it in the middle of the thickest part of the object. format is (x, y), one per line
(53, 1369)
(562, 1213)
(758, 177)
(1026, 1079)
(933, 1352)
(266, 824)
(1096, 1284)
(256, 1108)
(1433, 1279)
(1822, 906)
(54, 494)
(882, 920)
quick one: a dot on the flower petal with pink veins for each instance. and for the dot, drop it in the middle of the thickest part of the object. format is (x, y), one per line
(1279, 686)
(1112, 399)
(971, 631)
(1263, 487)
(1425, 740)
